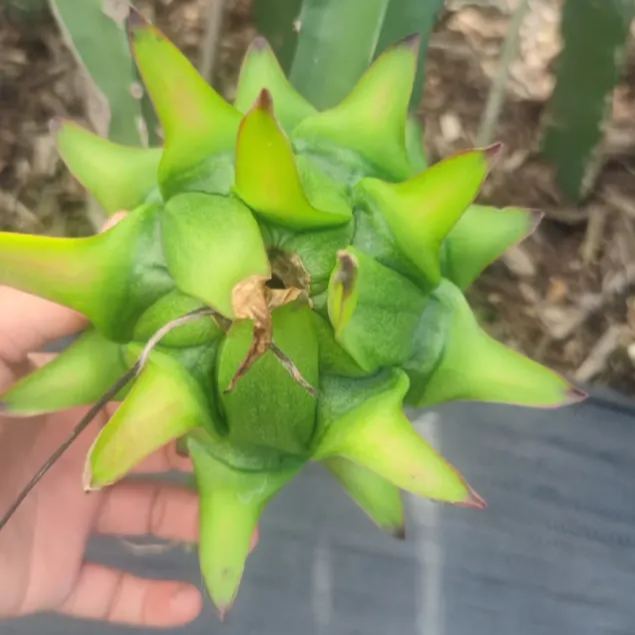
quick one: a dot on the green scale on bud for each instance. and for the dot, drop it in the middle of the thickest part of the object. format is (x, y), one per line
(331, 265)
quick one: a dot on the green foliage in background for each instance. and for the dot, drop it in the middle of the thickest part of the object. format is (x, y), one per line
(95, 32)
(26, 9)
(336, 39)
(326, 44)
(277, 21)
(336, 42)
(411, 16)
(595, 34)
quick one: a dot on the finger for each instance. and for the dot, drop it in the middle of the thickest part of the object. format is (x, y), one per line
(114, 596)
(40, 359)
(28, 322)
(137, 509)
(165, 511)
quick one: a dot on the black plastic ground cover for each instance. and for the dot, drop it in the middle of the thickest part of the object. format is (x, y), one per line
(554, 554)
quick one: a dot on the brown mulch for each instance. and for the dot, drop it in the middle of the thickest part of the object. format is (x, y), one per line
(565, 297)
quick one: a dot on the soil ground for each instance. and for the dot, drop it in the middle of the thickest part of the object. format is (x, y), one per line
(565, 296)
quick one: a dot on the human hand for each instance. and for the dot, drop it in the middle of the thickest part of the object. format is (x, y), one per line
(42, 565)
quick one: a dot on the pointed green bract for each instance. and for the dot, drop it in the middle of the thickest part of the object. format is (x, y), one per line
(474, 366)
(376, 434)
(197, 122)
(65, 270)
(268, 407)
(267, 177)
(91, 275)
(164, 403)
(379, 499)
(231, 502)
(481, 236)
(79, 375)
(421, 211)
(224, 247)
(374, 310)
(120, 177)
(371, 120)
(260, 70)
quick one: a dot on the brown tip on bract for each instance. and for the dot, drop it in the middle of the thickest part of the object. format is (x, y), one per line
(135, 21)
(412, 41)
(399, 533)
(223, 611)
(265, 100)
(88, 487)
(347, 262)
(55, 125)
(87, 475)
(473, 501)
(536, 219)
(575, 395)
(259, 44)
(348, 270)
(492, 153)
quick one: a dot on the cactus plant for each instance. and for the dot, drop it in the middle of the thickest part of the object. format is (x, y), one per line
(94, 32)
(586, 78)
(327, 271)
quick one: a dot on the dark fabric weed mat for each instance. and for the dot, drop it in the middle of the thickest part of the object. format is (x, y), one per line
(553, 555)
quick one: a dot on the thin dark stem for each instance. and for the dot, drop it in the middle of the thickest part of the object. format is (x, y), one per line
(77, 430)
(292, 369)
(127, 377)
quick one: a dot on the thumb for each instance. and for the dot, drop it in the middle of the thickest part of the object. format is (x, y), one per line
(28, 322)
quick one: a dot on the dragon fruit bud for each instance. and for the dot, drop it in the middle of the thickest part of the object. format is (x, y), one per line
(320, 267)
